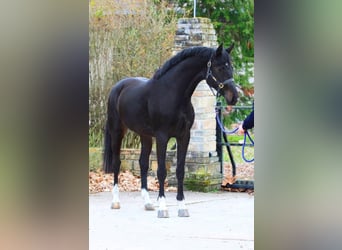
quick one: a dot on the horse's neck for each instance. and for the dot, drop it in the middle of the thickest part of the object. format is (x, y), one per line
(192, 85)
(189, 74)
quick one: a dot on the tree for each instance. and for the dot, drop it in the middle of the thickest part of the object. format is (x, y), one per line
(233, 20)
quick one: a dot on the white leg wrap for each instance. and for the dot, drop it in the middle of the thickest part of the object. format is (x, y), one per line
(162, 210)
(115, 193)
(181, 204)
(162, 203)
(182, 210)
(145, 196)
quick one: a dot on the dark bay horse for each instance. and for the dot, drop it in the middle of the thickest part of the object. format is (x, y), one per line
(161, 107)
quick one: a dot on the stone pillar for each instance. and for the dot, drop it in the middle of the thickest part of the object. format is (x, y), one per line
(194, 32)
(203, 131)
(202, 165)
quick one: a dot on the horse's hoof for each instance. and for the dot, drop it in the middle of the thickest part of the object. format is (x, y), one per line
(149, 207)
(163, 214)
(183, 213)
(115, 205)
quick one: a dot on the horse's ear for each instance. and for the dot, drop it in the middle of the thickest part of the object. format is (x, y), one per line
(230, 48)
(219, 50)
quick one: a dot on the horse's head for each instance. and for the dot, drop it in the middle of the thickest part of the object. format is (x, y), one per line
(220, 74)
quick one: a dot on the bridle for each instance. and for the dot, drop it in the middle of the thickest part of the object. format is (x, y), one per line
(220, 85)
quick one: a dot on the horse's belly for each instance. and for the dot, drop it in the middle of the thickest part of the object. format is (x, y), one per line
(141, 128)
(134, 117)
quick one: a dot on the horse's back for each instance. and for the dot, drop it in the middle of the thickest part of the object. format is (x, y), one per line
(132, 82)
(124, 86)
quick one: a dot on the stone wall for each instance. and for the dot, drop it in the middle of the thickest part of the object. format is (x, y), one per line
(202, 171)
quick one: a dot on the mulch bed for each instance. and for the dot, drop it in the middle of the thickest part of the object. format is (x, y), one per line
(101, 182)
(244, 171)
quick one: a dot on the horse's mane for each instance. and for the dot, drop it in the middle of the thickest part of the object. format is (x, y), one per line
(202, 52)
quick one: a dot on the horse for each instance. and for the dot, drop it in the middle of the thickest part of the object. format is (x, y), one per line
(161, 107)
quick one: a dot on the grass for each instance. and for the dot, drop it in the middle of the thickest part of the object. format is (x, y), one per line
(95, 159)
(237, 150)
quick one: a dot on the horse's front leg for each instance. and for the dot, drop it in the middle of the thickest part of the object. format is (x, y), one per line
(182, 147)
(161, 173)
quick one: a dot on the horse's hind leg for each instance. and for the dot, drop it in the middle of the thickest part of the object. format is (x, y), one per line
(117, 135)
(182, 147)
(146, 146)
(161, 173)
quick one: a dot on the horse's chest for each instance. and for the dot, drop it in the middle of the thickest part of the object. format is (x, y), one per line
(170, 118)
(183, 120)
(183, 116)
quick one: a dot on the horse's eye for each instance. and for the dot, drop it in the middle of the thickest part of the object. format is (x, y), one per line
(227, 64)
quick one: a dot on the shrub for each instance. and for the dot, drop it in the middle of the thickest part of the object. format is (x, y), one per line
(124, 41)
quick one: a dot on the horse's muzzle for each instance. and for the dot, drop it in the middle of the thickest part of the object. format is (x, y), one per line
(228, 82)
(230, 92)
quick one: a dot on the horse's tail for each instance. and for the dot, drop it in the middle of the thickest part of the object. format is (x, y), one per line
(107, 154)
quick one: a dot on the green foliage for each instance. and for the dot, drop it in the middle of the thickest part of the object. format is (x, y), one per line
(201, 181)
(95, 159)
(237, 153)
(99, 13)
(124, 41)
(233, 21)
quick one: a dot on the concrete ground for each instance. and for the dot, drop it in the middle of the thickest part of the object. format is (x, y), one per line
(220, 220)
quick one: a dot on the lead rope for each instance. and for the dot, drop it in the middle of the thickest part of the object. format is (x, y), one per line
(220, 85)
(222, 127)
(244, 145)
(246, 134)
